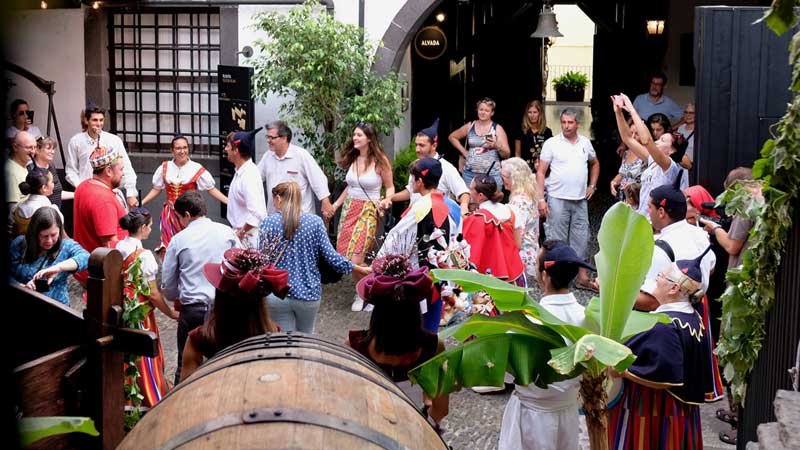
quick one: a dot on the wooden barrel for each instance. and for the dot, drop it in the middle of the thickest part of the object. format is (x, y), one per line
(285, 391)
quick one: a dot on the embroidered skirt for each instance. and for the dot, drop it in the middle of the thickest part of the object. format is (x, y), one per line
(357, 227)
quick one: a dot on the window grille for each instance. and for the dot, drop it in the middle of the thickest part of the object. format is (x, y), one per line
(163, 77)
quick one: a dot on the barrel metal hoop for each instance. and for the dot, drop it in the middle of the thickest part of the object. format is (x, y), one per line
(283, 415)
(399, 393)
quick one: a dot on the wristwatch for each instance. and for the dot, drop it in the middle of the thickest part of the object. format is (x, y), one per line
(591, 186)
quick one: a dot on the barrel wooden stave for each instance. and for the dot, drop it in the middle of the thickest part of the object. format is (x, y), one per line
(317, 379)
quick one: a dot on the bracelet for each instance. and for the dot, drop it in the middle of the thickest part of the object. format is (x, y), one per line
(591, 186)
(716, 228)
(541, 200)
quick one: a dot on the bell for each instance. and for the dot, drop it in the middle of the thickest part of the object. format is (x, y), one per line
(547, 26)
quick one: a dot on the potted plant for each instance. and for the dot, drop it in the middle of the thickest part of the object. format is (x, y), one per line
(570, 86)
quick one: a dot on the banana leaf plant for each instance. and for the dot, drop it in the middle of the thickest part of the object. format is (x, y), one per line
(551, 350)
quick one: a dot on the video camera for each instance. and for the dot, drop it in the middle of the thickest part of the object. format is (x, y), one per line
(723, 220)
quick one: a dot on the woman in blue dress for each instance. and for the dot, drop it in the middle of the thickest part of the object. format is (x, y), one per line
(42, 253)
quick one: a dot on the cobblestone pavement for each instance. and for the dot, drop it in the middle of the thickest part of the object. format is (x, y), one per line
(474, 420)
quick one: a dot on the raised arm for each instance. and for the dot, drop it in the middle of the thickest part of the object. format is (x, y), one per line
(624, 132)
(645, 137)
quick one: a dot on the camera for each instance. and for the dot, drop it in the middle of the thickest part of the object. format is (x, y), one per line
(41, 285)
(723, 220)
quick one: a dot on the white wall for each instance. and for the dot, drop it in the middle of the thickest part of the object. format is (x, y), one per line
(402, 134)
(377, 17)
(40, 30)
(573, 51)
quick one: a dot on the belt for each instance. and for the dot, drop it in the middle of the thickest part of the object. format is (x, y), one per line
(194, 305)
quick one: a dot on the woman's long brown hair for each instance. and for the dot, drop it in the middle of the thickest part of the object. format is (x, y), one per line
(375, 152)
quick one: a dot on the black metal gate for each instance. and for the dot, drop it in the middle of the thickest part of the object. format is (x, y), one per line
(743, 81)
(163, 77)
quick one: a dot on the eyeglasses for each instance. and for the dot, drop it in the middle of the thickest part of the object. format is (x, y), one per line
(272, 138)
(661, 275)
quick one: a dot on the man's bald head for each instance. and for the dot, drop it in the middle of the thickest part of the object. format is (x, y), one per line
(24, 145)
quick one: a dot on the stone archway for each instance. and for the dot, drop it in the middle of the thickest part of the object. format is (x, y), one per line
(400, 32)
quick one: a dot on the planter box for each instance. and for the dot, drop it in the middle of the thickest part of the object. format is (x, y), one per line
(569, 95)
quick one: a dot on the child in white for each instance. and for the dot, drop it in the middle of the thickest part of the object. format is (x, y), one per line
(547, 419)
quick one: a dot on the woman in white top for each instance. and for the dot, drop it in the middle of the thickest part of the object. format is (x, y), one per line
(38, 185)
(521, 182)
(687, 131)
(178, 176)
(368, 169)
(660, 154)
(136, 284)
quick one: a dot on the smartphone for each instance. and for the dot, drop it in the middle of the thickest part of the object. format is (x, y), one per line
(30, 115)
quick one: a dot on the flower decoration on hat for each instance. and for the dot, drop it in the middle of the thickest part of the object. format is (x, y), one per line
(393, 279)
(247, 272)
(103, 157)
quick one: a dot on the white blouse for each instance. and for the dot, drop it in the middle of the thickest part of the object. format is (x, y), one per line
(149, 264)
(182, 175)
(366, 187)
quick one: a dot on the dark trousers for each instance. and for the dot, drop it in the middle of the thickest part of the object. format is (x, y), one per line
(191, 316)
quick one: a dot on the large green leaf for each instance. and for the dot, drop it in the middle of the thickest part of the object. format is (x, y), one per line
(512, 322)
(32, 429)
(484, 361)
(626, 249)
(506, 296)
(592, 346)
(638, 322)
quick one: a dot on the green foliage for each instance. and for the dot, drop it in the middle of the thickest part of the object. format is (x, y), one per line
(325, 66)
(133, 313)
(751, 286)
(571, 81)
(531, 343)
(402, 160)
(32, 429)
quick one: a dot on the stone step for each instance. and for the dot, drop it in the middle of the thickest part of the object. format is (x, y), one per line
(768, 437)
(787, 411)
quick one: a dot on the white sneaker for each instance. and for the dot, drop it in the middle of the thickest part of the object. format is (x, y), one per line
(368, 307)
(358, 304)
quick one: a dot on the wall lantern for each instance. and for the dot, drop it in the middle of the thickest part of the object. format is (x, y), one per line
(441, 17)
(655, 27)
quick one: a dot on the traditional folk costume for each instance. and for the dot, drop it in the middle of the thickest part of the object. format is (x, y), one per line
(151, 380)
(175, 181)
(358, 226)
(424, 225)
(491, 240)
(672, 356)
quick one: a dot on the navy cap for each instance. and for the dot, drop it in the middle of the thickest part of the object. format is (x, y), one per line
(670, 198)
(691, 267)
(562, 254)
(430, 169)
(246, 140)
(432, 131)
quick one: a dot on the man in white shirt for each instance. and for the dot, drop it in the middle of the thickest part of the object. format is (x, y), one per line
(547, 419)
(677, 240)
(572, 161)
(82, 145)
(246, 202)
(287, 162)
(451, 184)
(182, 280)
(654, 101)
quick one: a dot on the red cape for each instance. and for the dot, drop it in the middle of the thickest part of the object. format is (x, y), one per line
(492, 245)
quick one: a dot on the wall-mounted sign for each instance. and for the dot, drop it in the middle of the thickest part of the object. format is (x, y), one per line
(236, 113)
(430, 42)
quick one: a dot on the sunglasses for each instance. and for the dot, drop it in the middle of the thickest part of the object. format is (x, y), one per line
(28, 113)
(363, 124)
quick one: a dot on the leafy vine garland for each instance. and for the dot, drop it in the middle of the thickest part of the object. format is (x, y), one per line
(133, 314)
(751, 291)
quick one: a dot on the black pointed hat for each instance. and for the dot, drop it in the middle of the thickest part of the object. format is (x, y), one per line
(691, 267)
(246, 140)
(432, 131)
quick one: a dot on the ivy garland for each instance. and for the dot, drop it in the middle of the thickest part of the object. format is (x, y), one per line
(133, 314)
(751, 290)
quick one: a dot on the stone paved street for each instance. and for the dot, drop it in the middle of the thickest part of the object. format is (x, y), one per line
(474, 420)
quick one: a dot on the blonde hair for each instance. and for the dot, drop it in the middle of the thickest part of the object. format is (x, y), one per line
(289, 193)
(522, 178)
(527, 125)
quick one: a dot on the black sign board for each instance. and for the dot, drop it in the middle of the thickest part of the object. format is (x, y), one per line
(430, 42)
(236, 113)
